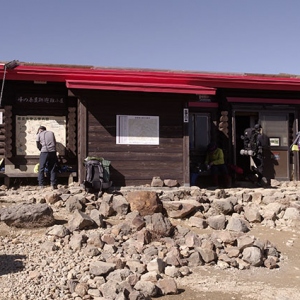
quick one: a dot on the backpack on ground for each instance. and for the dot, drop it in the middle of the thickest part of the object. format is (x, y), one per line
(250, 142)
(97, 175)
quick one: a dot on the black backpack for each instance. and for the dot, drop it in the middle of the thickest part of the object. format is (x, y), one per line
(93, 182)
(97, 176)
(250, 142)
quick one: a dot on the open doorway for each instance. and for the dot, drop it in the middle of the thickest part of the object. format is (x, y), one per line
(276, 126)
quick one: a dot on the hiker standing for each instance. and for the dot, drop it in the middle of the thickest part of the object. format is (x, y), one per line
(46, 143)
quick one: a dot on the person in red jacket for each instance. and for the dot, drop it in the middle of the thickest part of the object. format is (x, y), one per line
(215, 163)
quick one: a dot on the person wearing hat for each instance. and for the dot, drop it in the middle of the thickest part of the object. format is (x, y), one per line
(215, 163)
(46, 143)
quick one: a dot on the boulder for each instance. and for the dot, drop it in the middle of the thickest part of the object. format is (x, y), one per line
(145, 202)
(180, 209)
(28, 215)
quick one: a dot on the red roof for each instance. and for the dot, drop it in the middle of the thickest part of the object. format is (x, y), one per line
(87, 77)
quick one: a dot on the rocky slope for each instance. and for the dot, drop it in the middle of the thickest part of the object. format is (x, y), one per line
(141, 242)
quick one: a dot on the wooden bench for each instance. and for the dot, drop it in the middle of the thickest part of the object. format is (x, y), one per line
(8, 176)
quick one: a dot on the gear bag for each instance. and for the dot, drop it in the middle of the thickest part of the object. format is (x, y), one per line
(97, 175)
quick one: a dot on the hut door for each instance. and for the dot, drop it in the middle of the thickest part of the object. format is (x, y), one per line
(199, 131)
(276, 128)
(199, 136)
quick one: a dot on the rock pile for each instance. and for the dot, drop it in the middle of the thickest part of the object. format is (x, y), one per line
(133, 243)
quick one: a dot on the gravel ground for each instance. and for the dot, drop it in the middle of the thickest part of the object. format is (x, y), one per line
(25, 265)
(283, 283)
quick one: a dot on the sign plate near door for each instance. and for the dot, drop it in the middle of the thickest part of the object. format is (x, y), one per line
(185, 115)
(275, 141)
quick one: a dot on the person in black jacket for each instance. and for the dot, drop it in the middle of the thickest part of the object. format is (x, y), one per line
(258, 158)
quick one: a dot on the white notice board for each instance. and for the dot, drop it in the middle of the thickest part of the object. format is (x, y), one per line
(137, 130)
(26, 130)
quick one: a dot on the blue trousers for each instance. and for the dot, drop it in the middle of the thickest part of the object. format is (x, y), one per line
(49, 160)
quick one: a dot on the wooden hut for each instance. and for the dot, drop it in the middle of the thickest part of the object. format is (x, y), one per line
(147, 123)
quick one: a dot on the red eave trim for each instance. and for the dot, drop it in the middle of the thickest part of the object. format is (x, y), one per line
(204, 104)
(263, 100)
(194, 79)
(140, 86)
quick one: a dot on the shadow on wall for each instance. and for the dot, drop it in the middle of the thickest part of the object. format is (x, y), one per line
(65, 155)
(116, 177)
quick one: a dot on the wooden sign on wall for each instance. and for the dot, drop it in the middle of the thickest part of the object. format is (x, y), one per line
(40, 100)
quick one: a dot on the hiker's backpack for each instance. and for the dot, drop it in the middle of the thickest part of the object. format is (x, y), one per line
(94, 176)
(250, 142)
(97, 174)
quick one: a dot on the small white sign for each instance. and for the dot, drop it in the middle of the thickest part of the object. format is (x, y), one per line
(185, 115)
(275, 141)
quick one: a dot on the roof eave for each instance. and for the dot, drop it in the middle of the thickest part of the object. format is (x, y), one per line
(122, 77)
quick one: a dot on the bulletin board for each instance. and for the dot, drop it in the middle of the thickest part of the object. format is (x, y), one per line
(26, 130)
(137, 130)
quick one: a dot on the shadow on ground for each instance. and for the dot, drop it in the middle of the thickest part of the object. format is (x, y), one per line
(11, 263)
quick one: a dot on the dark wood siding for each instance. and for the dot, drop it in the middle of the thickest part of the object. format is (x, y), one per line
(137, 164)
